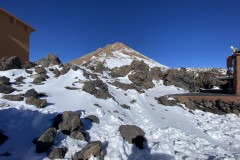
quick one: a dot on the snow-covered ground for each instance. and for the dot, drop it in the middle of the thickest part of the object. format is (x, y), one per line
(172, 132)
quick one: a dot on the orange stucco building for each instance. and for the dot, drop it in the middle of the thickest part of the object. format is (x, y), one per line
(14, 36)
(234, 61)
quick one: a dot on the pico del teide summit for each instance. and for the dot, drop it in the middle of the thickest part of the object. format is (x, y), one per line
(115, 55)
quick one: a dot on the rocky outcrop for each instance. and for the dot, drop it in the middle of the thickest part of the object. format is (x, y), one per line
(204, 79)
(57, 153)
(134, 66)
(28, 65)
(125, 87)
(93, 148)
(133, 135)
(120, 71)
(68, 122)
(13, 97)
(6, 89)
(93, 118)
(50, 60)
(4, 80)
(97, 88)
(141, 79)
(39, 103)
(214, 106)
(46, 140)
(179, 78)
(156, 73)
(40, 70)
(10, 63)
(99, 68)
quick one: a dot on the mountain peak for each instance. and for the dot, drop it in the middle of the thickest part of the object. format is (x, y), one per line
(119, 46)
(115, 55)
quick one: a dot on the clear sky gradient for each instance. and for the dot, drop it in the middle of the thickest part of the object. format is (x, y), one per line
(175, 33)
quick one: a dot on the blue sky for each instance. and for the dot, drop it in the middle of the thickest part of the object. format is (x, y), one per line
(176, 33)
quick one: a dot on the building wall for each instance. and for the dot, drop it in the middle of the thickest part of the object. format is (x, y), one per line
(236, 74)
(14, 38)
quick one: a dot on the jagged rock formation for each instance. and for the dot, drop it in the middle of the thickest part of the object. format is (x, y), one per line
(50, 60)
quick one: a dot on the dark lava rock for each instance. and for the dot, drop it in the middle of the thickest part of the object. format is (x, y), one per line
(6, 89)
(191, 105)
(38, 80)
(19, 80)
(79, 134)
(31, 93)
(3, 137)
(28, 71)
(4, 80)
(164, 101)
(133, 135)
(10, 63)
(56, 72)
(179, 78)
(93, 148)
(120, 71)
(72, 88)
(134, 66)
(13, 97)
(141, 79)
(46, 140)
(57, 153)
(68, 122)
(156, 73)
(125, 87)
(97, 88)
(28, 65)
(125, 106)
(40, 70)
(50, 60)
(39, 103)
(93, 118)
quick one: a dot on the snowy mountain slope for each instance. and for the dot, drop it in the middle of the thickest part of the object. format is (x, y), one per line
(171, 131)
(115, 55)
